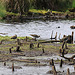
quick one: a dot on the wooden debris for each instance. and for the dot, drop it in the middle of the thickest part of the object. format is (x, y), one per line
(67, 39)
(12, 67)
(31, 45)
(51, 41)
(54, 37)
(26, 38)
(72, 37)
(38, 45)
(74, 66)
(68, 72)
(69, 57)
(59, 36)
(35, 64)
(52, 62)
(64, 44)
(61, 62)
(66, 47)
(43, 50)
(54, 70)
(1, 42)
(4, 63)
(18, 49)
(63, 53)
(60, 51)
(18, 54)
(25, 60)
(18, 42)
(10, 50)
(51, 35)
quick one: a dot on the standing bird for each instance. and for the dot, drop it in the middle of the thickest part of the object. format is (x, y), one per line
(35, 36)
(14, 37)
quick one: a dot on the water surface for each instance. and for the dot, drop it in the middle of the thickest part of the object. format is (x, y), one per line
(42, 28)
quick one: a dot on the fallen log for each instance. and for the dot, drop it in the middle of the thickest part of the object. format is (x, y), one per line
(18, 54)
(35, 64)
(50, 41)
(25, 60)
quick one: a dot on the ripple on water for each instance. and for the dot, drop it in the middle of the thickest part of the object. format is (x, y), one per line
(42, 28)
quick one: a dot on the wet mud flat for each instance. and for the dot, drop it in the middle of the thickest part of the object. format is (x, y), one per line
(35, 60)
(27, 68)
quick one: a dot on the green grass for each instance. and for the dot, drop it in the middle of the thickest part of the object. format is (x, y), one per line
(42, 11)
(2, 10)
(8, 38)
(73, 5)
(10, 13)
(38, 11)
(24, 37)
(4, 38)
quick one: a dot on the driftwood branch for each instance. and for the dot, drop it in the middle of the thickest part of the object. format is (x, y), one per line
(51, 41)
(69, 58)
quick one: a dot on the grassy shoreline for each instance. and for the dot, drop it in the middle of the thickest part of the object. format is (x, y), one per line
(3, 11)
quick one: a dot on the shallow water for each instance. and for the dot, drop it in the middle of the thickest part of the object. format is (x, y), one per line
(54, 57)
(35, 70)
(42, 28)
(32, 70)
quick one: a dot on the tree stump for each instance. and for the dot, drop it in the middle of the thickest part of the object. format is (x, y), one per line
(54, 70)
(18, 49)
(52, 62)
(63, 53)
(68, 71)
(4, 63)
(38, 45)
(10, 50)
(31, 45)
(61, 62)
(18, 42)
(12, 67)
(26, 38)
(43, 50)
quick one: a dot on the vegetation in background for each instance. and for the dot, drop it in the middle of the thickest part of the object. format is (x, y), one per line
(52, 4)
(40, 6)
(2, 9)
(42, 11)
(73, 5)
(38, 11)
(17, 6)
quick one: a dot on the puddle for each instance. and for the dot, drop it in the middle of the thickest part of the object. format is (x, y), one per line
(26, 70)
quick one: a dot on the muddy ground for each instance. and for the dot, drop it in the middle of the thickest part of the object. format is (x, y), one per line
(44, 49)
